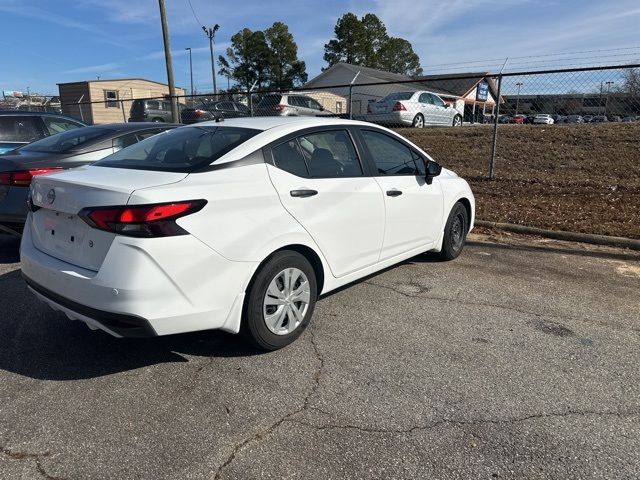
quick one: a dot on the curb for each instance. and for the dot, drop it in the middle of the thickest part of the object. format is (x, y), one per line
(593, 239)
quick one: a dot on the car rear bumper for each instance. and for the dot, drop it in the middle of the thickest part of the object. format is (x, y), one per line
(144, 287)
(13, 208)
(391, 118)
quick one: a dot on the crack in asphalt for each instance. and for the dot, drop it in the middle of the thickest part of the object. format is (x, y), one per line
(494, 305)
(438, 423)
(37, 457)
(274, 426)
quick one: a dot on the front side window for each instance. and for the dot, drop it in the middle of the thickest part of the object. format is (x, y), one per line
(437, 101)
(314, 104)
(153, 105)
(390, 156)
(58, 125)
(181, 150)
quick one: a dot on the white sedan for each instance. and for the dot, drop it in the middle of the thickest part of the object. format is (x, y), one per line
(238, 225)
(416, 109)
(543, 118)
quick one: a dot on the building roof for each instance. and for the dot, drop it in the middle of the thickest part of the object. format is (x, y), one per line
(453, 85)
(115, 80)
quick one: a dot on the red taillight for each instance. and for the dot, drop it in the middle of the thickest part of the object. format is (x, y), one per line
(399, 107)
(22, 178)
(199, 113)
(157, 220)
(279, 108)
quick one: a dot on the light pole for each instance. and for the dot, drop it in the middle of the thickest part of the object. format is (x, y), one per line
(190, 72)
(519, 84)
(211, 34)
(169, 62)
(606, 100)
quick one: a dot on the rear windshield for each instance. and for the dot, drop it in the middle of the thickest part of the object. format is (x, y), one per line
(181, 150)
(67, 141)
(398, 96)
(270, 100)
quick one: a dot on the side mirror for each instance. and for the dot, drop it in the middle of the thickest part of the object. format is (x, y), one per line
(433, 170)
(321, 108)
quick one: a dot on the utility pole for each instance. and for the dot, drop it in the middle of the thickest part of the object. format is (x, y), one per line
(606, 100)
(190, 72)
(168, 61)
(519, 84)
(28, 98)
(211, 34)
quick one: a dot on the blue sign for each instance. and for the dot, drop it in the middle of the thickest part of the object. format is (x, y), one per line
(482, 91)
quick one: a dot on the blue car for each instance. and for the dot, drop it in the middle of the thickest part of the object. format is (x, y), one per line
(18, 128)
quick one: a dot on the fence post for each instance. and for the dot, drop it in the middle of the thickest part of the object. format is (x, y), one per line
(124, 117)
(495, 130)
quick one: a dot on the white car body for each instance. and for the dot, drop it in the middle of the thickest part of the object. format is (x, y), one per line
(543, 119)
(198, 281)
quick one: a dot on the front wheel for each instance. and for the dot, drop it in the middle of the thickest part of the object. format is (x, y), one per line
(280, 301)
(457, 121)
(455, 232)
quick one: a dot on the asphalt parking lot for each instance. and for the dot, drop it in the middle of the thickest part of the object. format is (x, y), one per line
(514, 361)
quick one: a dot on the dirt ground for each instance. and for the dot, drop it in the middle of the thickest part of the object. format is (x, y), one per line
(581, 178)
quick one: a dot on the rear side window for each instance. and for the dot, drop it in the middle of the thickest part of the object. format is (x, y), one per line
(319, 155)
(425, 98)
(390, 156)
(152, 105)
(181, 150)
(20, 129)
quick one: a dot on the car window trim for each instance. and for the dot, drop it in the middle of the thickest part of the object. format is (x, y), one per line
(268, 149)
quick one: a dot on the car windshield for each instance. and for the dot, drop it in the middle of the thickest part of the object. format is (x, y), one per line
(181, 150)
(397, 96)
(67, 141)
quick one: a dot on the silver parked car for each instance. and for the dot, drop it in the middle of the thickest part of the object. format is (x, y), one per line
(290, 105)
(416, 109)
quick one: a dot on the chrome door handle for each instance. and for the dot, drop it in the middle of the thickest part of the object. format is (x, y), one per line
(303, 193)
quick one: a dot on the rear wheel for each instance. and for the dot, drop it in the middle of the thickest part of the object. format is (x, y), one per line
(457, 121)
(280, 301)
(418, 121)
(455, 232)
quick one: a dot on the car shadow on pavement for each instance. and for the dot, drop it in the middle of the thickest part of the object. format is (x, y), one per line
(9, 249)
(37, 342)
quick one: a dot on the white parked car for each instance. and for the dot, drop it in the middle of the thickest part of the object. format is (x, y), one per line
(543, 118)
(237, 226)
(415, 109)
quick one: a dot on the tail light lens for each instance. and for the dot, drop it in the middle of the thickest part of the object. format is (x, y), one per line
(22, 178)
(399, 107)
(279, 108)
(154, 220)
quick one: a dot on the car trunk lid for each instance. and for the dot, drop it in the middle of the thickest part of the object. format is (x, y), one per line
(56, 228)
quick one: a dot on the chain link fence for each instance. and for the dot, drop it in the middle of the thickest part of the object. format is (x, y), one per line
(553, 149)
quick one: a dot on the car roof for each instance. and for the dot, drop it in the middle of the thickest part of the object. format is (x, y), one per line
(23, 113)
(135, 125)
(270, 122)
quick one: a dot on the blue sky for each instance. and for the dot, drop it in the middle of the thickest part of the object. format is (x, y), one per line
(44, 42)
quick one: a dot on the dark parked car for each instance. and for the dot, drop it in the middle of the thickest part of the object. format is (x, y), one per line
(18, 128)
(630, 118)
(151, 111)
(588, 118)
(574, 119)
(599, 119)
(215, 110)
(70, 149)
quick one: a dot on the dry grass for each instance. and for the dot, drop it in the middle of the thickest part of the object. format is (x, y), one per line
(583, 178)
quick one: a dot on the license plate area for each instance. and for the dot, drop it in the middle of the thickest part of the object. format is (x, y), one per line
(62, 232)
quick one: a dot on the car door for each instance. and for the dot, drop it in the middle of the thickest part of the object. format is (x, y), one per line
(321, 182)
(440, 110)
(413, 208)
(428, 109)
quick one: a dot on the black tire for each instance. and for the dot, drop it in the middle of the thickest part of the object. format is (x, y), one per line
(418, 119)
(457, 121)
(254, 327)
(455, 232)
